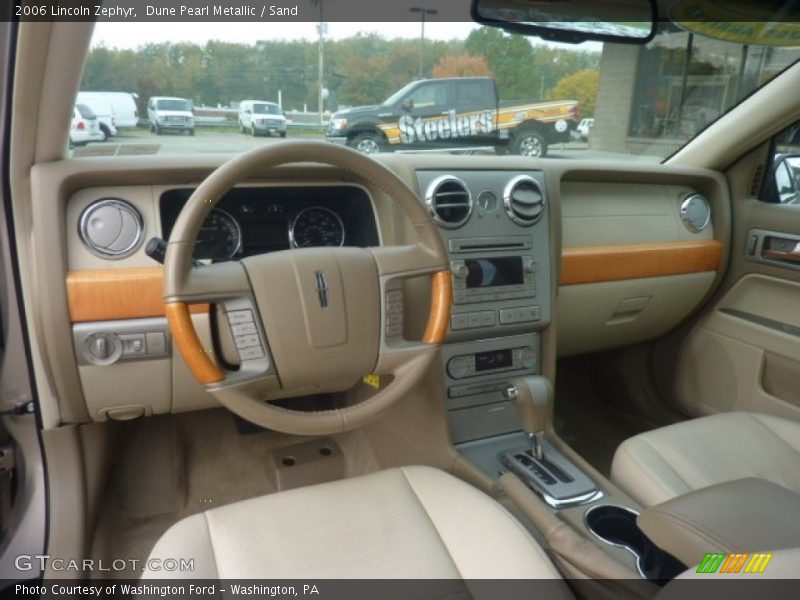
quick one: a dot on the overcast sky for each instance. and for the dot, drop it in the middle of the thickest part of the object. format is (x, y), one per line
(131, 35)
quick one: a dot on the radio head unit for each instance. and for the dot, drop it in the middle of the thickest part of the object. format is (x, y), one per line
(493, 278)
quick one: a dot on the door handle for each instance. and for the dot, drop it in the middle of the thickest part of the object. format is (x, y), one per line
(790, 256)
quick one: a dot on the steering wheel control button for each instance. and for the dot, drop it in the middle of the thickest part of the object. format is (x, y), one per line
(394, 313)
(240, 316)
(247, 341)
(244, 328)
(252, 353)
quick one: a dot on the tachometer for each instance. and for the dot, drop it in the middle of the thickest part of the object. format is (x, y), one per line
(220, 237)
(316, 226)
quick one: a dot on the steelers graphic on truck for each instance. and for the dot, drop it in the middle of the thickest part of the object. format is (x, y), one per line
(452, 114)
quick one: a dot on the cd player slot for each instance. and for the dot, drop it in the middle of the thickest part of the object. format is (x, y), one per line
(490, 244)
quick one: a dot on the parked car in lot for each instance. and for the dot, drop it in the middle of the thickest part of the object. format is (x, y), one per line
(583, 129)
(120, 105)
(260, 117)
(85, 127)
(170, 114)
(104, 111)
(453, 113)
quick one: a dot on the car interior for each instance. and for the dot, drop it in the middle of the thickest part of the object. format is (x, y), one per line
(301, 361)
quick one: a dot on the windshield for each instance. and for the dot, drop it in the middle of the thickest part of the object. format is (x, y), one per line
(398, 95)
(85, 111)
(266, 109)
(173, 104)
(449, 87)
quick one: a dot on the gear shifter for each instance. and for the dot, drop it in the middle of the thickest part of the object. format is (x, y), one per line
(541, 465)
(533, 397)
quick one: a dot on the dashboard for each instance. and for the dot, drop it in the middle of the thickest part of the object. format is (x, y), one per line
(612, 254)
(256, 220)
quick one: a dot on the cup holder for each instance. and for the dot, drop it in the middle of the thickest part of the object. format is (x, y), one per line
(616, 525)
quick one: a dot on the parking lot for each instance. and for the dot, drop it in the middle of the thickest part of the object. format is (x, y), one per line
(231, 141)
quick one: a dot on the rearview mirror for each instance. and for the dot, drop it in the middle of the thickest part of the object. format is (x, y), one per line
(407, 104)
(572, 21)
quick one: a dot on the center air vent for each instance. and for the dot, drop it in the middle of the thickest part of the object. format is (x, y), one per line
(449, 201)
(524, 200)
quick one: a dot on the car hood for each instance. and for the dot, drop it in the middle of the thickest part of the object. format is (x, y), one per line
(174, 113)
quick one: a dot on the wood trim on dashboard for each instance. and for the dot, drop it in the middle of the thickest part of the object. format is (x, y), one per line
(595, 264)
(110, 294)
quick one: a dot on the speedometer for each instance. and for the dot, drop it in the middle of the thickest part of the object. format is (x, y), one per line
(220, 237)
(316, 226)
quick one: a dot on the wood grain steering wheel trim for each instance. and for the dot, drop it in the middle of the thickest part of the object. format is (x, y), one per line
(185, 337)
(441, 303)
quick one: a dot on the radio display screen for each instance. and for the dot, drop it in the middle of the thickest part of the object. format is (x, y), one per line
(494, 272)
(496, 359)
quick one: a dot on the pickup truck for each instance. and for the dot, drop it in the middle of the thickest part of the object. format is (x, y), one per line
(455, 113)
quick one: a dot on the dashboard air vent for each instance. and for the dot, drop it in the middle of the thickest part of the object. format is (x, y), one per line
(524, 200)
(449, 201)
(111, 228)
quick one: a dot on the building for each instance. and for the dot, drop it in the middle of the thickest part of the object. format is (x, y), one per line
(654, 98)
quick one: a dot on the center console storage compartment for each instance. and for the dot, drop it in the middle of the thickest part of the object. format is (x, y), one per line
(616, 525)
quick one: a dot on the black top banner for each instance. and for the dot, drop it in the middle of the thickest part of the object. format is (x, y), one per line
(187, 11)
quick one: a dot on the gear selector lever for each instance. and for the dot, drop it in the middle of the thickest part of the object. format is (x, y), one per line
(541, 465)
(533, 397)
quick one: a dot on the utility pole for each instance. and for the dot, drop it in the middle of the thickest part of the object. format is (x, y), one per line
(423, 12)
(320, 76)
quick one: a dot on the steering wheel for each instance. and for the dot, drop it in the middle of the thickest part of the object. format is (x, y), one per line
(311, 320)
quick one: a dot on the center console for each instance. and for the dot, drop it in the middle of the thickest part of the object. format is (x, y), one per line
(496, 228)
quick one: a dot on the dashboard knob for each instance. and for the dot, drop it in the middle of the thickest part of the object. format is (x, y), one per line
(530, 266)
(457, 367)
(527, 358)
(459, 269)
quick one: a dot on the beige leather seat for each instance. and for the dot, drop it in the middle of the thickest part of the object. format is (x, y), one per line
(661, 464)
(412, 522)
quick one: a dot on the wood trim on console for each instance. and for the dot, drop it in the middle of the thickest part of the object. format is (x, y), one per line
(594, 264)
(110, 294)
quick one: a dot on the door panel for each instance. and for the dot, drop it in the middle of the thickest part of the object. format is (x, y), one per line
(745, 353)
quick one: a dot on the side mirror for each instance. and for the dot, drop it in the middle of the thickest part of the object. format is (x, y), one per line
(407, 105)
(787, 178)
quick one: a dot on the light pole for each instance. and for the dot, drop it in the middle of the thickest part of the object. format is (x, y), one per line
(423, 12)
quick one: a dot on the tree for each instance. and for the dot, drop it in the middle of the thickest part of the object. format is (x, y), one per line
(581, 86)
(461, 65)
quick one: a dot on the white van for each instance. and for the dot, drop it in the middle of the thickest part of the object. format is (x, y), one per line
(170, 114)
(122, 104)
(259, 116)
